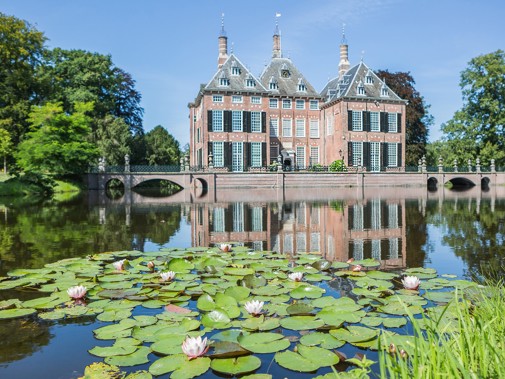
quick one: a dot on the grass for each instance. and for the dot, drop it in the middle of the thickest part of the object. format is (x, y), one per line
(472, 347)
(15, 187)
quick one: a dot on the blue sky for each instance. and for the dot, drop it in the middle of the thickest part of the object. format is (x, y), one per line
(170, 47)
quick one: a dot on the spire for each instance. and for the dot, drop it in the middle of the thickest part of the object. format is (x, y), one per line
(223, 45)
(344, 64)
(277, 52)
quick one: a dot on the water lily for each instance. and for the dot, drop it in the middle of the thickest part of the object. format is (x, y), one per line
(226, 247)
(167, 276)
(357, 268)
(194, 347)
(296, 276)
(150, 265)
(411, 282)
(217, 316)
(77, 292)
(350, 260)
(254, 307)
(119, 265)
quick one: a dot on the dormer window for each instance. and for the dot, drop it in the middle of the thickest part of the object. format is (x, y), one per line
(235, 70)
(384, 90)
(301, 85)
(272, 84)
(223, 80)
(361, 88)
(250, 82)
(369, 77)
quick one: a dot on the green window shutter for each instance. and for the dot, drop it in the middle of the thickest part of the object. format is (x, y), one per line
(349, 120)
(209, 120)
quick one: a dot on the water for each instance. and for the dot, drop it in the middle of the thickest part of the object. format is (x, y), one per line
(454, 232)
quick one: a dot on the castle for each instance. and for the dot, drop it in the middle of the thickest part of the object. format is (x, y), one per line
(241, 122)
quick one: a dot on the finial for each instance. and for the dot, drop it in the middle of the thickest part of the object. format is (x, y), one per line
(344, 41)
(362, 55)
(223, 33)
(277, 15)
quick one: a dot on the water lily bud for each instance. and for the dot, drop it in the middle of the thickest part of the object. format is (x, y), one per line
(403, 354)
(350, 260)
(392, 348)
(357, 268)
(150, 265)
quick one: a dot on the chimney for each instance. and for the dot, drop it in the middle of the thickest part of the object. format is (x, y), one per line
(344, 64)
(276, 52)
(223, 45)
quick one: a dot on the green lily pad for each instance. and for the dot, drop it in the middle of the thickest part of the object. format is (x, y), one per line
(110, 351)
(325, 340)
(354, 333)
(235, 366)
(301, 322)
(263, 342)
(170, 344)
(307, 291)
(180, 265)
(226, 349)
(238, 293)
(299, 309)
(192, 368)
(16, 312)
(168, 364)
(294, 361)
(138, 357)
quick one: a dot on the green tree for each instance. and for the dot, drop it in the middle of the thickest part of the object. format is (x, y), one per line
(72, 76)
(58, 142)
(113, 139)
(161, 147)
(21, 50)
(5, 146)
(418, 120)
(478, 129)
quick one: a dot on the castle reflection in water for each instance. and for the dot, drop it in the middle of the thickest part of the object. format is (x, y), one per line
(338, 229)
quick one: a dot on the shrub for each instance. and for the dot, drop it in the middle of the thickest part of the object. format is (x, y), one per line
(338, 166)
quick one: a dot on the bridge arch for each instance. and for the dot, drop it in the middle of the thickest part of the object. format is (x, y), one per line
(461, 182)
(432, 184)
(484, 183)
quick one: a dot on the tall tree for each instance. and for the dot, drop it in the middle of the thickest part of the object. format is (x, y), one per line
(5, 146)
(161, 147)
(72, 76)
(21, 50)
(58, 142)
(478, 129)
(113, 139)
(418, 119)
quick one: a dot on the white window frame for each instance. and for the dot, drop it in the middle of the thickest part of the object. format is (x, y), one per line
(217, 98)
(392, 122)
(287, 127)
(256, 122)
(238, 217)
(300, 104)
(392, 155)
(250, 83)
(224, 82)
(237, 121)
(357, 154)
(218, 220)
(257, 219)
(358, 221)
(274, 153)
(235, 70)
(217, 121)
(274, 127)
(300, 156)
(361, 90)
(237, 156)
(314, 155)
(256, 154)
(357, 121)
(255, 100)
(314, 105)
(375, 156)
(273, 103)
(300, 127)
(286, 103)
(314, 129)
(218, 154)
(375, 122)
(237, 99)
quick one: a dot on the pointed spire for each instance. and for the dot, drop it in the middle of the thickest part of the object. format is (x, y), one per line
(344, 64)
(276, 52)
(223, 45)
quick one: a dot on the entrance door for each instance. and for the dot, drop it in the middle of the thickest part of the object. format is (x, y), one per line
(237, 156)
(375, 161)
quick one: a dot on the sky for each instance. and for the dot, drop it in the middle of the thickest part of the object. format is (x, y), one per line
(170, 47)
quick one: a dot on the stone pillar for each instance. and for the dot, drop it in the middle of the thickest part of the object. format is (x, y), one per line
(101, 164)
(181, 163)
(469, 165)
(211, 162)
(477, 165)
(186, 163)
(279, 161)
(493, 168)
(419, 164)
(440, 165)
(126, 163)
(424, 165)
(455, 164)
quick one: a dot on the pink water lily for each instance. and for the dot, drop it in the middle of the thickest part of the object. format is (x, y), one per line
(254, 307)
(119, 265)
(194, 347)
(296, 276)
(357, 268)
(77, 292)
(226, 247)
(167, 276)
(411, 282)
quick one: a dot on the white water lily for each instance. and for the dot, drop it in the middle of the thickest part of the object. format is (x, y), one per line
(411, 282)
(296, 276)
(119, 265)
(77, 292)
(194, 347)
(217, 316)
(167, 276)
(254, 307)
(226, 247)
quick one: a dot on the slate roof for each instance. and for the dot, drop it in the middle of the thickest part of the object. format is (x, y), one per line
(355, 77)
(287, 86)
(237, 82)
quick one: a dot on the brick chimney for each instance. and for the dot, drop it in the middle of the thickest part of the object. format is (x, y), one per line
(276, 52)
(223, 46)
(344, 64)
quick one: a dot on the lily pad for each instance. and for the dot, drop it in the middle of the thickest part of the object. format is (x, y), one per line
(264, 342)
(16, 312)
(236, 366)
(294, 361)
(301, 322)
(138, 357)
(325, 340)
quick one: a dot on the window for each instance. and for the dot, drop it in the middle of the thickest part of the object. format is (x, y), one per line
(218, 220)
(358, 250)
(384, 90)
(314, 155)
(286, 127)
(288, 243)
(392, 122)
(236, 99)
(301, 242)
(376, 249)
(198, 135)
(357, 121)
(274, 152)
(300, 104)
(238, 217)
(235, 70)
(375, 162)
(369, 78)
(315, 239)
(224, 82)
(237, 157)
(394, 248)
(256, 122)
(374, 122)
(249, 82)
(256, 154)
(314, 129)
(236, 121)
(376, 215)
(255, 100)
(257, 219)
(314, 105)
(357, 217)
(274, 128)
(301, 85)
(392, 155)
(218, 154)
(272, 84)
(300, 127)
(217, 99)
(286, 103)
(361, 88)
(314, 215)
(393, 216)
(217, 121)
(357, 154)
(300, 156)
(273, 103)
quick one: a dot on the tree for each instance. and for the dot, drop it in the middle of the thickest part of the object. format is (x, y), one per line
(418, 120)
(21, 50)
(478, 129)
(72, 76)
(58, 142)
(5, 146)
(113, 139)
(161, 147)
